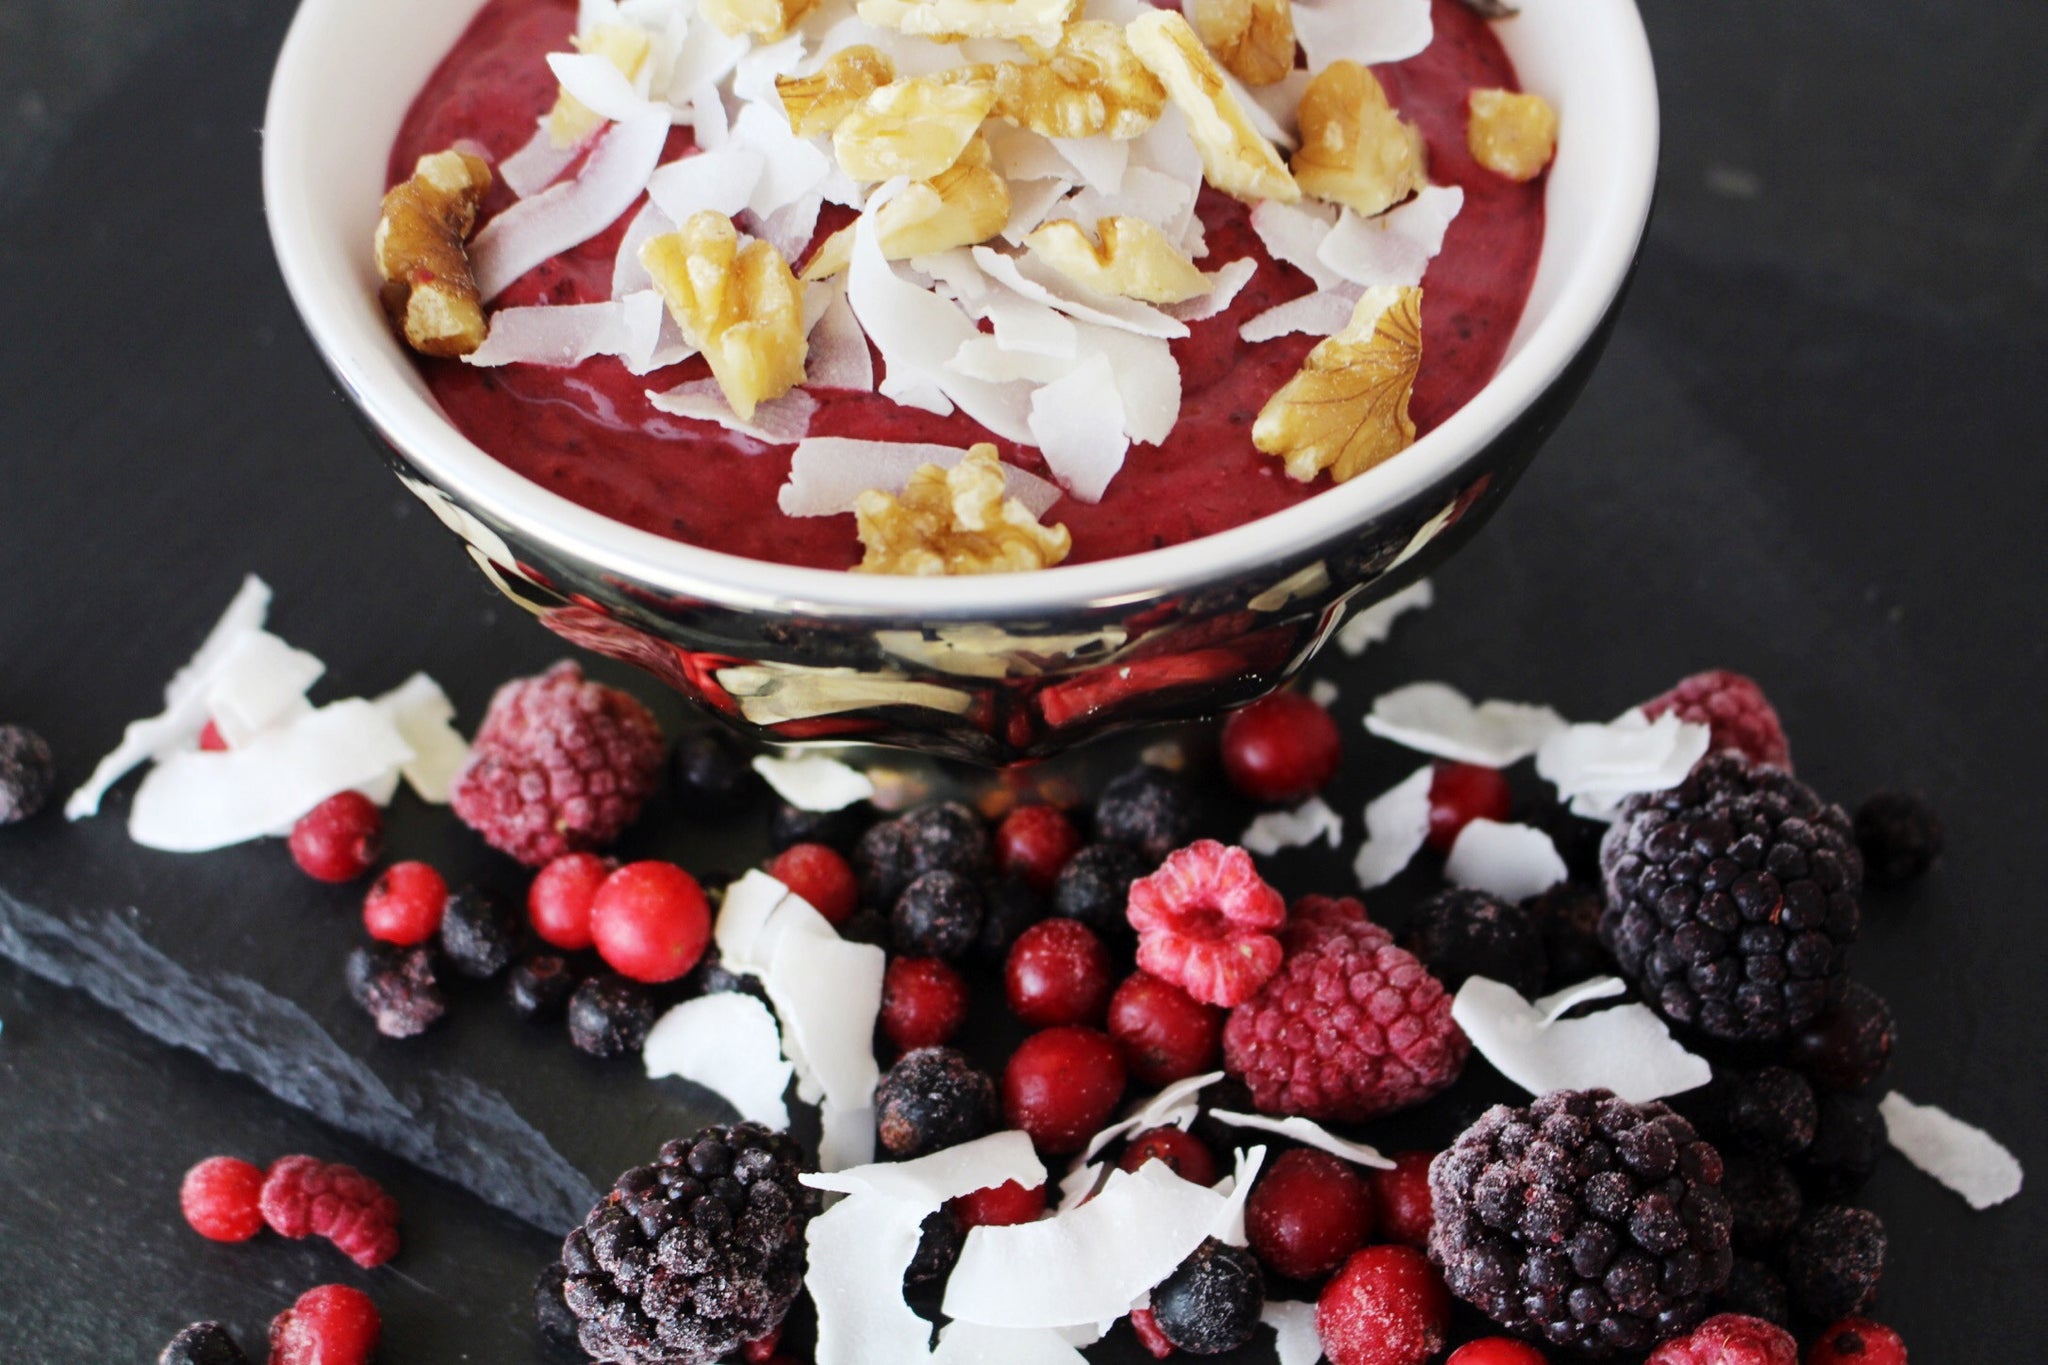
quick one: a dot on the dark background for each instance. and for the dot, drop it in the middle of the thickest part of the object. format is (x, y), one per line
(1812, 453)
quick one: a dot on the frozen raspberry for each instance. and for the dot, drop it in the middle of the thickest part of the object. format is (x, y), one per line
(405, 904)
(221, 1198)
(203, 1343)
(1166, 1034)
(1460, 793)
(1308, 1212)
(479, 933)
(1734, 709)
(1146, 1329)
(932, 1098)
(1401, 1199)
(1900, 836)
(28, 774)
(1350, 1028)
(1035, 842)
(303, 1195)
(558, 902)
(1147, 809)
(1058, 972)
(1204, 923)
(1461, 934)
(1834, 1261)
(397, 987)
(331, 1324)
(1186, 1155)
(1386, 1306)
(650, 921)
(339, 839)
(1281, 748)
(1211, 1302)
(1000, 1206)
(1061, 1085)
(560, 764)
(938, 915)
(609, 1016)
(1857, 1341)
(1095, 886)
(1497, 1351)
(819, 874)
(924, 1002)
(1850, 1044)
(1729, 1339)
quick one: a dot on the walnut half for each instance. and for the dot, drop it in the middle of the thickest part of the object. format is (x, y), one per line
(1133, 260)
(964, 204)
(1091, 83)
(1236, 158)
(1254, 39)
(1346, 409)
(1355, 150)
(915, 127)
(955, 521)
(422, 253)
(739, 305)
(815, 103)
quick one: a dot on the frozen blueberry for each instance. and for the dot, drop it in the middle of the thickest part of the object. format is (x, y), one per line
(480, 933)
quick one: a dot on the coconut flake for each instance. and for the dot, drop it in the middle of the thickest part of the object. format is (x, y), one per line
(1513, 862)
(558, 335)
(776, 422)
(261, 682)
(857, 1252)
(1597, 767)
(1032, 278)
(706, 56)
(1235, 1189)
(1396, 247)
(745, 929)
(1175, 1104)
(930, 1181)
(974, 1343)
(1099, 161)
(1224, 286)
(839, 357)
(1080, 1184)
(1021, 325)
(1309, 1133)
(1384, 31)
(1435, 718)
(827, 474)
(1270, 831)
(1960, 1155)
(1373, 624)
(1147, 376)
(569, 214)
(721, 181)
(1078, 423)
(1626, 1049)
(1318, 315)
(599, 86)
(538, 164)
(426, 722)
(728, 1043)
(1396, 827)
(794, 167)
(828, 992)
(814, 782)
(1031, 203)
(629, 276)
(1294, 233)
(1295, 1339)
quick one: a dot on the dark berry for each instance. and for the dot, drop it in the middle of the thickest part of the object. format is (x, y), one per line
(1095, 886)
(28, 774)
(1034, 842)
(405, 904)
(339, 839)
(1186, 1155)
(711, 774)
(1165, 1034)
(650, 921)
(1000, 1206)
(1211, 1302)
(1900, 835)
(938, 915)
(1009, 906)
(1849, 1139)
(1834, 1260)
(1308, 1212)
(944, 837)
(1385, 1306)
(1763, 1200)
(397, 987)
(866, 925)
(1058, 972)
(790, 825)
(1850, 1044)
(551, 1316)
(924, 1002)
(558, 901)
(221, 1199)
(932, 1098)
(479, 933)
(1147, 809)
(819, 874)
(938, 1247)
(1770, 1111)
(1401, 1199)
(1061, 1085)
(539, 987)
(203, 1343)
(1283, 747)
(711, 977)
(1460, 793)
(609, 1016)
(1497, 1351)
(1462, 934)
(1858, 1341)
(331, 1324)
(1567, 916)
(1757, 1291)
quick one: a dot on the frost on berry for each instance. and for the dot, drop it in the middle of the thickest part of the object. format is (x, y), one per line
(1735, 711)
(1204, 921)
(1730, 1339)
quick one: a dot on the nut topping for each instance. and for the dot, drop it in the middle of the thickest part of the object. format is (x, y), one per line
(767, 20)
(737, 304)
(1091, 83)
(1133, 260)
(1254, 39)
(914, 127)
(949, 21)
(1346, 409)
(815, 103)
(955, 521)
(964, 204)
(624, 46)
(422, 254)
(1511, 134)
(1235, 158)
(1355, 149)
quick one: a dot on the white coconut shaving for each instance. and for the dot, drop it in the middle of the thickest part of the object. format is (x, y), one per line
(1293, 234)
(839, 357)
(426, 722)
(1270, 831)
(828, 473)
(1396, 247)
(777, 422)
(728, 1043)
(1513, 862)
(1385, 31)
(569, 214)
(793, 167)
(597, 84)
(1597, 767)
(1960, 1155)
(1295, 1339)
(1626, 1049)
(1308, 1133)
(1374, 624)
(538, 164)
(1080, 1183)
(1225, 284)
(1033, 279)
(261, 682)
(746, 927)
(1323, 693)
(828, 992)
(721, 181)
(974, 1343)
(1175, 1105)
(1320, 314)
(1436, 718)
(1396, 827)
(1147, 376)
(559, 335)
(1235, 1189)
(1019, 325)
(949, 1173)
(1031, 203)
(815, 782)
(857, 1252)
(1078, 423)
(1099, 162)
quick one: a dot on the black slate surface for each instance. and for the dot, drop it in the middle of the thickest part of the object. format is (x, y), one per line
(1810, 454)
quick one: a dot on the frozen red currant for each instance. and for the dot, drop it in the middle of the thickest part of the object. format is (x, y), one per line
(339, 839)
(331, 1324)
(1497, 1351)
(1460, 793)
(1061, 1085)
(1386, 1306)
(1281, 748)
(1149, 1336)
(405, 904)
(1166, 1034)
(819, 874)
(1307, 1213)
(1857, 1341)
(1000, 1206)
(559, 900)
(1058, 972)
(1401, 1199)
(1035, 842)
(1186, 1155)
(650, 921)
(924, 1002)
(221, 1198)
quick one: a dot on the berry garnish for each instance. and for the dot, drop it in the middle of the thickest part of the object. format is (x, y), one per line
(1166, 1034)
(940, 1238)
(479, 933)
(1763, 1200)
(650, 921)
(1770, 1112)
(1058, 972)
(339, 839)
(609, 1016)
(1281, 748)
(28, 774)
(1149, 1336)
(819, 874)
(924, 1002)
(397, 987)
(1308, 1212)
(1095, 887)
(1212, 1300)
(1000, 1206)
(1147, 809)
(1061, 1085)
(1735, 711)
(551, 1315)
(405, 904)
(211, 740)
(1849, 1045)
(1849, 1139)
(1857, 1341)
(203, 1343)
(938, 915)
(1756, 1291)
(1035, 842)
(932, 1098)
(1729, 1339)
(539, 987)
(1401, 1199)
(558, 902)
(1186, 1155)
(1567, 916)
(1460, 793)
(330, 1324)
(304, 1196)
(944, 837)
(1497, 1351)
(1900, 837)
(1385, 1306)
(221, 1198)
(1204, 923)
(1008, 907)
(1834, 1260)
(710, 771)
(1461, 934)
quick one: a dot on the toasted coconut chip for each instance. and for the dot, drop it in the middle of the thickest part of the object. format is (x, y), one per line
(534, 230)
(1626, 1049)
(1385, 31)
(1513, 862)
(814, 782)
(1224, 286)
(1040, 283)
(1295, 1339)
(972, 1343)
(839, 357)
(1294, 234)
(538, 164)
(1372, 625)
(728, 1043)
(426, 721)
(857, 1252)
(1321, 314)
(261, 682)
(828, 473)
(598, 85)
(1397, 246)
(557, 335)
(1597, 767)
(721, 180)
(1434, 718)
(1078, 422)
(1960, 1155)
(1396, 827)
(1270, 831)
(929, 1181)
(777, 422)
(1310, 1134)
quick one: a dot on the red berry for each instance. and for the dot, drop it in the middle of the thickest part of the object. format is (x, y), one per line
(222, 1199)
(1061, 1085)
(1186, 1155)
(329, 1325)
(924, 1002)
(1203, 920)
(1730, 1339)
(1497, 1351)
(761, 1350)
(559, 900)
(1857, 1341)
(1058, 972)
(1737, 713)
(1281, 748)
(1166, 1034)
(339, 839)
(1460, 793)
(1149, 1335)
(650, 921)
(1307, 1213)
(1000, 1206)
(1034, 842)
(1387, 1306)
(211, 740)
(1401, 1197)
(821, 876)
(304, 1196)
(405, 904)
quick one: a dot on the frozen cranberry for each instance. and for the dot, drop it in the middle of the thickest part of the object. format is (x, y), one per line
(1061, 1085)
(405, 904)
(559, 900)
(1034, 842)
(330, 1324)
(821, 876)
(1460, 793)
(650, 921)
(211, 740)
(1307, 1213)
(1281, 748)
(1857, 1341)
(1497, 1351)
(1186, 1155)
(1000, 1206)
(1387, 1306)
(339, 839)
(1058, 972)
(221, 1198)
(924, 1002)
(1149, 1336)
(1401, 1199)
(1166, 1034)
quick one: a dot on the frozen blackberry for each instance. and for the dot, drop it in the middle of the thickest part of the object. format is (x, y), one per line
(203, 1343)
(609, 1016)
(1212, 1301)
(1850, 1045)
(931, 1098)
(1148, 809)
(1900, 836)
(938, 1247)
(1757, 1291)
(1770, 1111)
(1008, 907)
(711, 774)
(686, 1260)
(1583, 1220)
(1763, 1199)
(28, 774)
(480, 933)
(1095, 888)
(1732, 900)
(1462, 934)
(1848, 1141)
(1568, 918)
(836, 829)
(1834, 1261)
(938, 915)
(551, 1316)
(397, 987)
(539, 988)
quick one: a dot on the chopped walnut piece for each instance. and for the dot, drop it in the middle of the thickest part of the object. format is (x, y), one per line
(964, 204)
(1254, 39)
(950, 21)
(623, 45)
(1511, 134)
(422, 254)
(914, 127)
(815, 103)
(1346, 409)
(955, 521)
(1091, 83)
(767, 20)
(1355, 149)
(1134, 260)
(1235, 158)
(739, 305)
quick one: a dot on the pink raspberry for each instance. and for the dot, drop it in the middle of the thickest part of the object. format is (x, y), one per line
(560, 765)
(1351, 1027)
(1735, 709)
(1730, 1339)
(1203, 920)
(305, 1196)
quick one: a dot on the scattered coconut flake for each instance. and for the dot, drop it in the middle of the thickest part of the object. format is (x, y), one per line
(1960, 1155)
(1078, 423)
(828, 992)
(629, 276)
(753, 76)
(1031, 203)
(1235, 1189)
(1597, 767)
(1099, 161)
(705, 57)
(1294, 233)
(1397, 246)
(827, 473)
(1295, 1339)
(1373, 624)
(1317, 315)
(1080, 1183)
(707, 117)
(728, 1043)
(793, 166)
(846, 1134)
(1513, 862)
(569, 214)
(929, 1181)
(1021, 155)
(814, 782)
(261, 682)
(1224, 286)
(1558, 1004)
(1626, 1049)
(974, 1343)
(1309, 1133)
(1147, 376)
(558, 335)
(1385, 31)
(1175, 1104)
(596, 83)
(721, 181)
(745, 928)
(1435, 718)
(1021, 325)
(1270, 831)
(776, 422)
(857, 1252)
(1396, 827)
(1032, 278)
(426, 721)
(839, 357)
(789, 229)
(538, 164)
(1323, 693)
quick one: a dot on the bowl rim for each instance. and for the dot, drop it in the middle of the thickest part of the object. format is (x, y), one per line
(328, 295)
